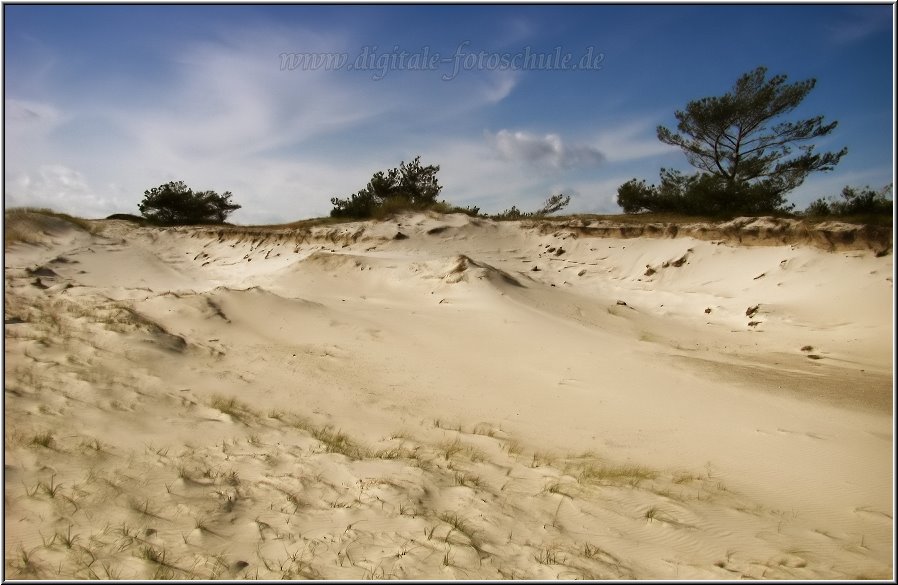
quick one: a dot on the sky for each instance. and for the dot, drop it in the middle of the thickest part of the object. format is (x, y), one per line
(287, 106)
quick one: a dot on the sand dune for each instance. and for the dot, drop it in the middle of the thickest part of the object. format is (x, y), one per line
(447, 397)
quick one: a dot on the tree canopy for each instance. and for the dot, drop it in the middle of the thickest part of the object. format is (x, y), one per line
(174, 203)
(744, 154)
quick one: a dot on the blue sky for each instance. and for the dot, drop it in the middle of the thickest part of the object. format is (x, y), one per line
(104, 102)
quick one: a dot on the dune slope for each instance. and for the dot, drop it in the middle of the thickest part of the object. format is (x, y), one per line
(446, 397)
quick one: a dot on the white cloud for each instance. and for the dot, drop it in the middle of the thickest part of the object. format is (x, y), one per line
(57, 187)
(549, 150)
(473, 175)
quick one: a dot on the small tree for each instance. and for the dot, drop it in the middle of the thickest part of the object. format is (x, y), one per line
(174, 203)
(743, 157)
(410, 186)
(554, 203)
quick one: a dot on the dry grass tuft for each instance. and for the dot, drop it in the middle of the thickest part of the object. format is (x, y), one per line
(338, 442)
(44, 439)
(623, 474)
(31, 225)
(237, 410)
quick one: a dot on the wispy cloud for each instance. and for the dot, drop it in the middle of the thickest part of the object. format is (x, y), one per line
(515, 30)
(857, 25)
(633, 140)
(548, 149)
(224, 116)
(499, 85)
(88, 131)
(25, 119)
(232, 99)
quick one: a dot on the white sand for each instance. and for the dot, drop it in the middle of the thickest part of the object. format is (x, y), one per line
(341, 404)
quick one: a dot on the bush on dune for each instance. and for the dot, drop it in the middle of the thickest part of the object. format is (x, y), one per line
(855, 201)
(409, 187)
(414, 187)
(128, 217)
(174, 203)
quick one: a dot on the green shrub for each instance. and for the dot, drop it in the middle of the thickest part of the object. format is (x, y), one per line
(511, 214)
(174, 203)
(411, 186)
(127, 217)
(700, 194)
(855, 201)
(818, 208)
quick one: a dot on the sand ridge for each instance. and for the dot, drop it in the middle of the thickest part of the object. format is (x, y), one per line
(444, 397)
